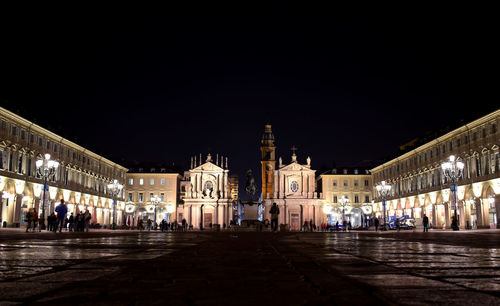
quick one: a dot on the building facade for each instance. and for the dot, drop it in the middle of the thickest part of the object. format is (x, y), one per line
(207, 197)
(142, 187)
(291, 186)
(81, 179)
(294, 192)
(353, 184)
(419, 186)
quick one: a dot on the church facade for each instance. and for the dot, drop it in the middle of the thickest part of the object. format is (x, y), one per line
(207, 197)
(293, 189)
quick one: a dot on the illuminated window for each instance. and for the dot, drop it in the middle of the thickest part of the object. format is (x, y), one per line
(131, 181)
(151, 181)
(141, 181)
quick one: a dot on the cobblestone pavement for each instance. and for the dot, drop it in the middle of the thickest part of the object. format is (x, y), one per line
(243, 268)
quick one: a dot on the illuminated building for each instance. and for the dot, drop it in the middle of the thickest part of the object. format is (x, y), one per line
(81, 178)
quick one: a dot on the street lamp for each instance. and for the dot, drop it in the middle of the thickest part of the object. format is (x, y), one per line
(383, 191)
(115, 189)
(453, 170)
(155, 200)
(343, 202)
(46, 168)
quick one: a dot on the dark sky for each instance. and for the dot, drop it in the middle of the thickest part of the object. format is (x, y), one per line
(340, 88)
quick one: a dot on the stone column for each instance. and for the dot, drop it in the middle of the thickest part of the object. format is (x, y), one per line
(479, 213)
(462, 215)
(434, 217)
(447, 215)
(497, 209)
(276, 185)
(485, 208)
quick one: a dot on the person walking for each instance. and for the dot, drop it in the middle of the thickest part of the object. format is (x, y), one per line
(61, 211)
(34, 219)
(377, 222)
(40, 224)
(71, 222)
(398, 224)
(275, 211)
(86, 217)
(29, 219)
(425, 222)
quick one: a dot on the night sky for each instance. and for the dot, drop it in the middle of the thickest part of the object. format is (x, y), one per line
(343, 90)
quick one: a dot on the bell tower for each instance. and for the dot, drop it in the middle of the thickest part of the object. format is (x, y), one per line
(268, 161)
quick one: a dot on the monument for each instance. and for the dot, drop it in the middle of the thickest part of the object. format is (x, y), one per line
(252, 208)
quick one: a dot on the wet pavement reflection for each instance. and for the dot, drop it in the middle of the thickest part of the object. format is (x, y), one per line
(251, 268)
(405, 270)
(44, 265)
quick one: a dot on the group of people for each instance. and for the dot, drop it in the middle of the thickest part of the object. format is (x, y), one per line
(163, 226)
(58, 220)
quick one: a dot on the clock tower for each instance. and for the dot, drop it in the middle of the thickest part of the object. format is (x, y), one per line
(268, 161)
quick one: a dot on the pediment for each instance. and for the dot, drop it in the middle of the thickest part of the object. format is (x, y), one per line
(208, 166)
(296, 167)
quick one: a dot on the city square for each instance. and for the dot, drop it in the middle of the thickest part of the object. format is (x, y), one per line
(224, 159)
(199, 268)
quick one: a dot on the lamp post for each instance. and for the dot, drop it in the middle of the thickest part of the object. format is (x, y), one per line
(115, 189)
(453, 170)
(46, 168)
(155, 200)
(383, 190)
(343, 202)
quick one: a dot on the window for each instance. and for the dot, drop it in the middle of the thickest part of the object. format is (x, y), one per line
(141, 197)
(151, 181)
(4, 125)
(162, 181)
(334, 183)
(335, 199)
(130, 196)
(14, 130)
(345, 171)
(20, 164)
(131, 181)
(141, 181)
(23, 134)
(367, 183)
(493, 128)
(151, 196)
(28, 166)
(32, 138)
(345, 183)
(356, 183)
(356, 199)
(356, 171)
(162, 197)
(367, 199)
(48, 144)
